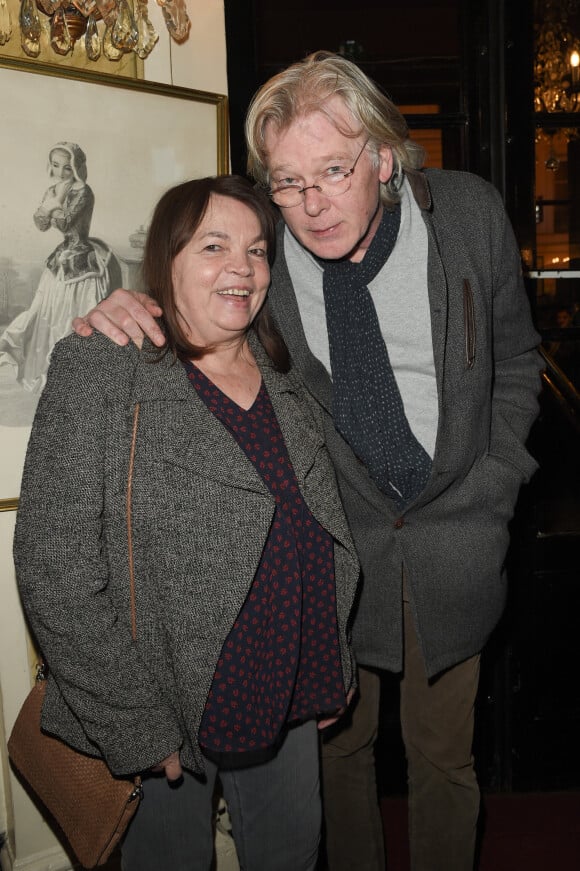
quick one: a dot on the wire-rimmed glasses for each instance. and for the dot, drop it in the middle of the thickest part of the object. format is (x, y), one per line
(332, 182)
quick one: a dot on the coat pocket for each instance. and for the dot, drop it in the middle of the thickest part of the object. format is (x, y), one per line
(469, 324)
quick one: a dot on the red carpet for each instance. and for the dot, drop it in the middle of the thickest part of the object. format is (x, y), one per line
(520, 832)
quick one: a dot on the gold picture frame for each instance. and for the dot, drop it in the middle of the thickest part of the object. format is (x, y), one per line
(139, 138)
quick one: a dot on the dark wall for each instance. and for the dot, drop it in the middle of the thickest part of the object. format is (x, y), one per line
(412, 51)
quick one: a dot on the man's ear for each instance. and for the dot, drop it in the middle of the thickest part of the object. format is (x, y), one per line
(385, 163)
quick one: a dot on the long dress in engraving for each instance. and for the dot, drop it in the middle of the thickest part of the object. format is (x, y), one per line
(77, 275)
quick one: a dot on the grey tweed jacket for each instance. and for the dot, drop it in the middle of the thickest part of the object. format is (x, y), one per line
(201, 516)
(453, 539)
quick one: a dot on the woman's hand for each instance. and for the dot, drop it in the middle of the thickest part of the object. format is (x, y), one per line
(50, 204)
(330, 721)
(55, 196)
(61, 190)
(123, 316)
(171, 767)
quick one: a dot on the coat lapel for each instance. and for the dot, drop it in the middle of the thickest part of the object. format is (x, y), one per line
(302, 439)
(199, 442)
(306, 447)
(191, 438)
(195, 440)
(436, 278)
(284, 306)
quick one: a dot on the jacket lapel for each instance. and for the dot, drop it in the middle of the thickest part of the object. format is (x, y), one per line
(302, 439)
(306, 446)
(196, 440)
(284, 307)
(436, 278)
(191, 438)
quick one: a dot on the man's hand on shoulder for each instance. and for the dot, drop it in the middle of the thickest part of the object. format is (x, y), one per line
(124, 316)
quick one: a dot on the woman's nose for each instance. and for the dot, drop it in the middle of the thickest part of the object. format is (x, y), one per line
(240, 263)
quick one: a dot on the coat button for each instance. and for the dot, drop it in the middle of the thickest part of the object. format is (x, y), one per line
(399, 523)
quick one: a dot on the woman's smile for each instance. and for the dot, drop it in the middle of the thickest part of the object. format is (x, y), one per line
(221, 276)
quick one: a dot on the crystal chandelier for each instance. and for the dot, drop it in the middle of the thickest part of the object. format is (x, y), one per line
(109, 28)
(556, 62)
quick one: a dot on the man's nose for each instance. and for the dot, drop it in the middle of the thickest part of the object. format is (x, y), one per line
(314, 200)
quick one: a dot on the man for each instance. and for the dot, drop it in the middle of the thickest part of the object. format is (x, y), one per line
(564, 318)
(399, 294)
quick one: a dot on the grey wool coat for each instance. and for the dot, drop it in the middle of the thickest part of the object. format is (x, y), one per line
(200, 518)
(453, 539)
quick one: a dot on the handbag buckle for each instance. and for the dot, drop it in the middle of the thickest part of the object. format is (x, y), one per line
(138, 791)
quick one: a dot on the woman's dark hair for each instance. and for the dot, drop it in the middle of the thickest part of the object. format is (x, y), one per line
(177, 216)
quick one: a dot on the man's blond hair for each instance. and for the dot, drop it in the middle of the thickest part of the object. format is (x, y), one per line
(306, 87)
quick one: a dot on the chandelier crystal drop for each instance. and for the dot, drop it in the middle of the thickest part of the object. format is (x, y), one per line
(111, 28)
(556, 58)
(5, 23)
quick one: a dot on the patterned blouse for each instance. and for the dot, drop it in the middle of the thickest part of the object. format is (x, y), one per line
(280, 662)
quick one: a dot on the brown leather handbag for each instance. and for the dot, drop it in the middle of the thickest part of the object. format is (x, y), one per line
(90, 806)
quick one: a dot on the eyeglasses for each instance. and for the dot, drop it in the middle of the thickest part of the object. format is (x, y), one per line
(332, 182)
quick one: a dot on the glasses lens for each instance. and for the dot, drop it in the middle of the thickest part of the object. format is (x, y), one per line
(328, 186)
(286, 197)
(333, 185)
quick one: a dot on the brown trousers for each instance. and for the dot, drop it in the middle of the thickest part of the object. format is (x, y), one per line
(437, 724)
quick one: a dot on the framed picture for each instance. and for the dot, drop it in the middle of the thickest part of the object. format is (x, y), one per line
(84, 160)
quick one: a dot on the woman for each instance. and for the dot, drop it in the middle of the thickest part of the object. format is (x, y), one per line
(245, 571)
(78, 273)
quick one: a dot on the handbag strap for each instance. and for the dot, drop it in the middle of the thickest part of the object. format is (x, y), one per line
(129, 526)
(138, 790)
(41, 671)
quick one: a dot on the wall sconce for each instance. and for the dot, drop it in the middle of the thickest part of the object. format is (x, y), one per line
(110, 27)
(5, 23)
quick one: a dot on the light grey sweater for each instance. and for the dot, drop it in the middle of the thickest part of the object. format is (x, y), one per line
(401, 300)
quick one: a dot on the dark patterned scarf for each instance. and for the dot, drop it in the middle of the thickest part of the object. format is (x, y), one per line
(367, 406)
